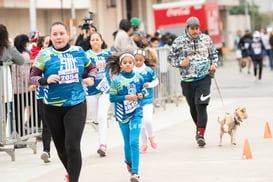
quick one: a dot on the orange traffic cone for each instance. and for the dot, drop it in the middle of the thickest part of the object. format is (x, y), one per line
(247, 151)
(267, 131)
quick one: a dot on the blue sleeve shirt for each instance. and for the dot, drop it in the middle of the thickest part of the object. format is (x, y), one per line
(102, 82)
(149, 76)
(122, 85)
(69, 65)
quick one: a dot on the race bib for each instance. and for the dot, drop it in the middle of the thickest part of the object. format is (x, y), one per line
(246, 45)
(130, 106)
(69, 76)
(103, 85)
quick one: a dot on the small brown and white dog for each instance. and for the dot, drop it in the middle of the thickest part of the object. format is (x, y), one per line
(230, 123)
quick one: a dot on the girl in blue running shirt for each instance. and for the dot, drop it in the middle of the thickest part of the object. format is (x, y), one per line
(127, 91)
(98, 95)
(150, 81)
(60, 69)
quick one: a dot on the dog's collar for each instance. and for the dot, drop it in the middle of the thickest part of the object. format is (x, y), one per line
(237, 121)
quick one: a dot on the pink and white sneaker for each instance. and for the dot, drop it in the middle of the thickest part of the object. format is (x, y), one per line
(66, 178)
(102, 150)
(143, 148)
(153, 142)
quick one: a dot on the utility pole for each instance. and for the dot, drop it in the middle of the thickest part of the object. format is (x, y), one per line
(32, 15)
(247, 15)
(73, 30)
(62, 11)
(252, 15)
(73, 13)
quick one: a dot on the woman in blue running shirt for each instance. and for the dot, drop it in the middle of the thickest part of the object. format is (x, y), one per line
(126, 91)
(60, 69)
(98, 95)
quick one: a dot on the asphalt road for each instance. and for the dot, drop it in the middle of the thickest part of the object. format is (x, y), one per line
(178, 158)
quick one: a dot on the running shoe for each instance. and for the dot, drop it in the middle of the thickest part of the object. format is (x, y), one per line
(201, 141)
(45, 156)
(143, 148)
(66, 178)
(153, 142)
(129, 166)
(102, 150)
(135, 177)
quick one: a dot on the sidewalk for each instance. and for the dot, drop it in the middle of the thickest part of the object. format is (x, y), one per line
(178, 159)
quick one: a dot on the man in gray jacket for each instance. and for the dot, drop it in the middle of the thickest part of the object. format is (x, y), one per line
(195, 56)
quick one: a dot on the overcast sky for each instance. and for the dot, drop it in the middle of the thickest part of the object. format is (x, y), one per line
(265, 5)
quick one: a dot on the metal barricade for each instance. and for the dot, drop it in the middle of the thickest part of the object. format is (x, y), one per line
(19, 117)
(19, 123)
(169, 89)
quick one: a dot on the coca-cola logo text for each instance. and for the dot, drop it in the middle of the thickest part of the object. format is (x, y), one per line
(178, 11)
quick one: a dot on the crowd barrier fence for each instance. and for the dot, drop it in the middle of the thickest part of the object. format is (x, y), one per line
(20, 123)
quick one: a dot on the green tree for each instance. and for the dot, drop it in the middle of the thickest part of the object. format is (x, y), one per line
(258, 20)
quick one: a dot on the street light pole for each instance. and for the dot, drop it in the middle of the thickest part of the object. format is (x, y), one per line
(32, 15)
(62, 11)
(247, 15)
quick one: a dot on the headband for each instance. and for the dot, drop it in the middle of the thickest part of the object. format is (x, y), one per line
(126, 55)
(140, 51)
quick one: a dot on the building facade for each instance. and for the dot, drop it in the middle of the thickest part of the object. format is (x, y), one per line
(21, 16)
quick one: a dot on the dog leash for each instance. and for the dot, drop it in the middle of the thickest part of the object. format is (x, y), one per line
(218, 89)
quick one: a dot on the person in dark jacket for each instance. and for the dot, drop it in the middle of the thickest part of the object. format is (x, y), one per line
(255, 50)
(244, 44)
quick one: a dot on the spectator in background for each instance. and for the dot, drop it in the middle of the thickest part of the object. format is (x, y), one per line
(21, 86)
(167, 39)
(85, 31)
(83, 39)
(137, 39)
(136, 23)
(154, 42)
(139, 36)
(33, 47)
(8, 53)
(123, 42)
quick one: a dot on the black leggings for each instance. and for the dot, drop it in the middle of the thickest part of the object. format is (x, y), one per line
(46, 136)
(256, 63)
(66, 125)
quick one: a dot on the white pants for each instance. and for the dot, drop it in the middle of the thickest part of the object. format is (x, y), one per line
(147, 127)
(98, 106)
